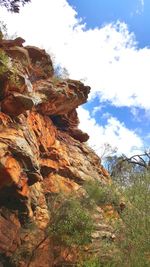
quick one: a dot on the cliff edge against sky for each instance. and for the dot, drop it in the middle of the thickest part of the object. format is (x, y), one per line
(42, 151)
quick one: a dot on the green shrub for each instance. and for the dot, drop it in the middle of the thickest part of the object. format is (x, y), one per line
(93, 262)
(71, 224)
(102, 194)
(134, 230)
(8, 70)
(4, 63)
(23, 253)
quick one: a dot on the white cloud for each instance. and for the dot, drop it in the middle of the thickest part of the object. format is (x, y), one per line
(96, 109)
(140, 115)
(106, 115)
(136, 114)
(142, 3)
(148, 136)
(140, 7)
(114, 132)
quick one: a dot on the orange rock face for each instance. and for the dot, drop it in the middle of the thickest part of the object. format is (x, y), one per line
(41, 148)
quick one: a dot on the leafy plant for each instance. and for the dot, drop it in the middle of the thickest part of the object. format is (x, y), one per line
(96, 262)
(102, 194)
(13, 5)
(134, 231)
(8, 69)
(93, 262)
(22, 253)
(3, 30)
(4, 63)
(71, 224)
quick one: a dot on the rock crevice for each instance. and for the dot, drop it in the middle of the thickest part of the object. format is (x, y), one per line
(41, 148)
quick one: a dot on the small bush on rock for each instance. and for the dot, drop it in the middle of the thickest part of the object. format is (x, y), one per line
(102, 194)
(71, 224)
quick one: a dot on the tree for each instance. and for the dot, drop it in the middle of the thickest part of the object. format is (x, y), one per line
(3, 30)
(134, 233)
(107, 151)
(120, 170)
(124, 170)
(13, 5)
(142, 160)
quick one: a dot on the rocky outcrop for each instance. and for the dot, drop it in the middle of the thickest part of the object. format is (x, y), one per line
(42, 151)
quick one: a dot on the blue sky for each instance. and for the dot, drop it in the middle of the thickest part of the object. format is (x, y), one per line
(106, 44)
(133, 12)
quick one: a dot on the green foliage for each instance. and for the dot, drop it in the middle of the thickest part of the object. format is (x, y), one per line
(71, 223)
(3, 30)
(134, 231)
(102, 194)
(14, 78)
(13, 5)
(60, 72)
(93, 262)
(96, 262)
(8, 70)
(56, 80)
(4, 63)
(122, 171)
(22, 253)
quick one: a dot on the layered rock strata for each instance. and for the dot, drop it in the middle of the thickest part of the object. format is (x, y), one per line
(41, 148)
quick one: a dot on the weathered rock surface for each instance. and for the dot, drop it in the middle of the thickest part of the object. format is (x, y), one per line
(41, 148)
(9, 233)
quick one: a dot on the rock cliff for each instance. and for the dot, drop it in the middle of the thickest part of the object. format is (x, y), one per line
(42, 151)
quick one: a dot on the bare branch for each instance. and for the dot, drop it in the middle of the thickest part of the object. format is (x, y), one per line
(142, 160)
